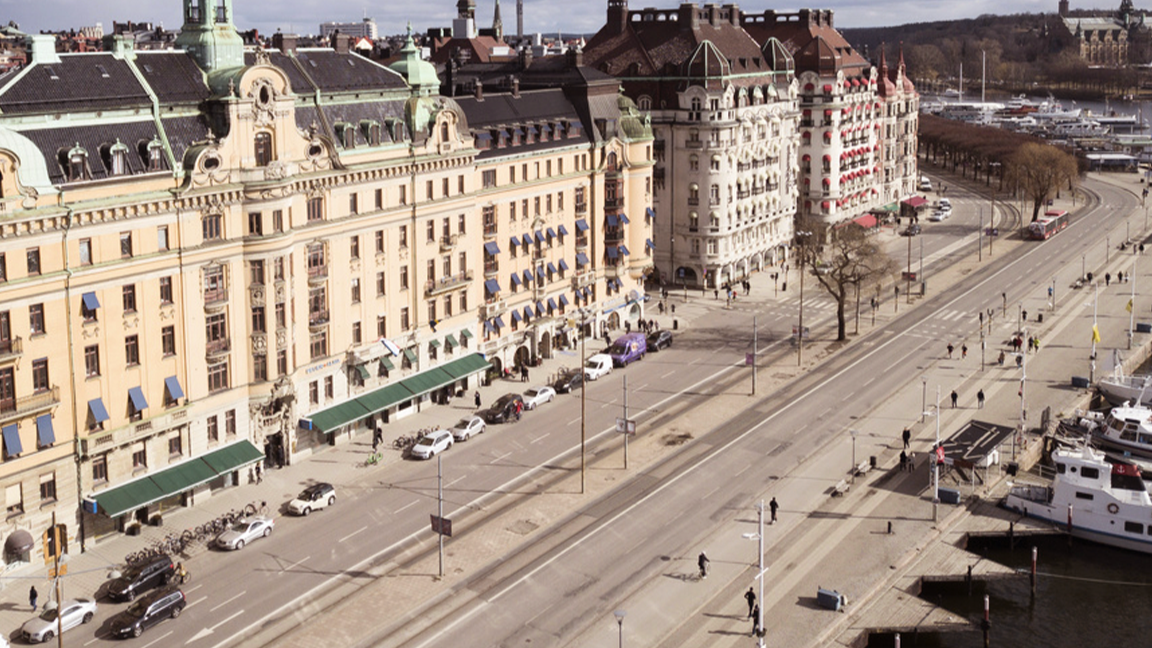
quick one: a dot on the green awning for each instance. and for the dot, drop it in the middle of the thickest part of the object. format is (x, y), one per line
(434, 343)
(327, 420)
(411, 355)
(176, 479)
(466, 366)
(450, 342)
(363, 371)
(426, 381)
(387, 364)
(383, 398)
(466, 333)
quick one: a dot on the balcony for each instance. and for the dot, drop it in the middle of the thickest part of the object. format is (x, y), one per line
(444, 284)
(448, 243)
(491, 267)
(490, 230)
(318, 317)
(493, 308)
(581, 242)
(215, 296)
(14, 408)
(11, 349)
(318, 271)
(613, 202)
(613, 235)
(539, 292)
(694, 144)
(217, 347)
(537, 254)
(581, 208)
(583, 280)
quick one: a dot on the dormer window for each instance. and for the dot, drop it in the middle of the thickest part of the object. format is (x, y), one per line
(155, 155)
(263, 149)
(115, 158)
(371, 132)
(444, 131)
(74, 163)
(221, 12)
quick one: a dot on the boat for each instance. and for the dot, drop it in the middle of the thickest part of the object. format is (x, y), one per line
(1091, 499)
(1127, 429)
(1121, 388)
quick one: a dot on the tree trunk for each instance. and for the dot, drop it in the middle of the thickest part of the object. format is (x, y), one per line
(841, 323)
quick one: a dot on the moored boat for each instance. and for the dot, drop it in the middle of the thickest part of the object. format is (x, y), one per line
(1122, 388)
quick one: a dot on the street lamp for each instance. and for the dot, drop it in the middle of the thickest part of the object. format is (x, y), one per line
(853, 469)
(620, 622)
(800, 331)
(759, 535)
(923, 398)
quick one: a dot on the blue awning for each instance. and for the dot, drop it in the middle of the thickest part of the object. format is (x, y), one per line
(137, 397)
(551, 268)
(563, 300)
(491, 248)
(516, 316)
(540, 308)
(527, 239)
(581, 225)
(624, 219)
(651, 213)
(563, 230)
(539, 236)
(612, 252)
(492, 286)
(515, 279)
(489, 327)
(611, 284)
(99, 414)
(624, 250)
(551, 304)
(650, 244)
(44, 430)
(528, 276)
(581, 259)
(90, 301)
(551, 233)
(12, 445)
(563, 264)
(172, 383)
(585, 292)
(499, 322)
(514, 241)
(612, 220)
(528, 312)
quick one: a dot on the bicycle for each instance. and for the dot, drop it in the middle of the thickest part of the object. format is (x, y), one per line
(373, 459)
(183, 576)
(252, 508)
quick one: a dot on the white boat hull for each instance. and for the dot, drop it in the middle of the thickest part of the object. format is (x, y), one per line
(1102, 535)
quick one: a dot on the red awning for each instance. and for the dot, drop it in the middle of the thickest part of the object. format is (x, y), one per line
(807, 158)
(807, 180)
(827, 181)
(807, 113)
(827, 158)
(916, 201)
(827, 88)
(825, 205)
(806, 135)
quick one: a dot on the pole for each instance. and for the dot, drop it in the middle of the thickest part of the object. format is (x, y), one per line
(1052, 305)
(1023, 411)
(584, 395)
(923, 286)
(980, 238)
(760, 620)
(857, 331)
(1033, 571)
(908, 275)
(754, 354)
(1092, 367)
(991, 223)
(1107, 248)
(440, 511)
(59, 584)
(625, 422)
(936, 464)
(1083, 266)
(1132, 303)
(852, 470)
(923, 398)
(800, 331)
(987, 625)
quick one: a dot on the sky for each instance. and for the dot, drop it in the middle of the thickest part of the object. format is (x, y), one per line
(587, 16)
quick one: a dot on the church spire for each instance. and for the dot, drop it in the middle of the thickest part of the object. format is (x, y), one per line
(497, 24)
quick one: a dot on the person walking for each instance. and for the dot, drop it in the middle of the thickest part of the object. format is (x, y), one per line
(950, 349)
(907, 435)
(523, 373)
(755, 620)
(701, 562)
(1107, 278)
(955, 397)
(964, 351)
(772, 508)
(476, 399)
(750, 596)
(980, 399)
(32, 596)
(260, 472)
(903, 461)
(1000, 360)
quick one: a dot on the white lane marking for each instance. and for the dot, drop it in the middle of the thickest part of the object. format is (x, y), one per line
(158, 639)
(413, 503)
(503, 456)
(540, 438)
(199, 600)
(227, 601)
(207, 631)
(640, 387)
(294, 565)
(455, 480)
(575, 420)
(668, 374)
(360, 530)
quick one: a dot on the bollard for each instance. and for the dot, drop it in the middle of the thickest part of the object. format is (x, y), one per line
(675, 324)
(1033, 572)
(987, 625)
(1069, 525)
(968, 580)
(889, 527)
(1011, 536)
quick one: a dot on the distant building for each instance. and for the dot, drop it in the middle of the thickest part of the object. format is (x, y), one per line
(1100, 38)
(366, 28)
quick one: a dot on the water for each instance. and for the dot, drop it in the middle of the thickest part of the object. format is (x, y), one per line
(1086, 595)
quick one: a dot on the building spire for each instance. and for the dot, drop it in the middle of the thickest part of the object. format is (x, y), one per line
(497, 24)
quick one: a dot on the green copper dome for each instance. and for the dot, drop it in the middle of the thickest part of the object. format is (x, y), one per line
(420, 74)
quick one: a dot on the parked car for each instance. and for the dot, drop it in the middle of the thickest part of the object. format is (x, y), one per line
(659, 339)
(504, 409)
(925, 184)
(71, 614)
(596, 366)
(538, 396)
(939, 215)
(568, 381)
(137, 578)
(316, 496)
(944, 204)
(244, 531)
(912, 230)
(147, 612)
(628, 347)
(431, 444)
(466, 428)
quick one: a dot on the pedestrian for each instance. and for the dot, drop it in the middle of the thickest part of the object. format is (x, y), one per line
(1000, 360)
(1120, 276)
(260, 473)
(1019, 359)
(950, 348)
(955, 397)
(772, 508)
(755, 620)
(32, 595)
(903, 461)
(907, 437)
(519, 408)
(701, 562)
(964, 351)
(477, 399)
(750, 596)
(1023, 315)
(980, 399)
(1107, 278)
(716, 294)
(523, 373)
(660, 306)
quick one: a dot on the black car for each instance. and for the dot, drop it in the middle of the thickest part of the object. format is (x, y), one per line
(568, 381)
(147, 612)
(154, 572)
(504, 409)
(659, 340)
(912, 230)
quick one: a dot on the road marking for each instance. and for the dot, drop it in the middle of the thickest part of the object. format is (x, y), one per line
(413, 502)
(662, 376)
(848, 395)
(207, 631)
(540, 438)
(354, 533)
(455, 480)
(229, 601)
(506, 454)
(293, 565)
(608, 403)
(575, 420)
(640, 387)
(158, 639)
(199, 600)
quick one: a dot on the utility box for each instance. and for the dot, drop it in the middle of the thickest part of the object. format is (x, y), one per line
(830, 599)
(1080, 382)
(1143, 327)
(949, 495)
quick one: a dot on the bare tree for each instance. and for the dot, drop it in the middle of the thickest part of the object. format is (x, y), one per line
(1041, 170)
(848, 258)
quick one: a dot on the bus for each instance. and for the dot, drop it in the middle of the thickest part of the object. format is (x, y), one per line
(1051, 222)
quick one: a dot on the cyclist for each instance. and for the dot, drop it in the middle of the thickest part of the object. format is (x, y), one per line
(703, 561)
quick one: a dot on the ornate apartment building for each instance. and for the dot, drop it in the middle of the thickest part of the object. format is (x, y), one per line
(217, 256)
(726, 122)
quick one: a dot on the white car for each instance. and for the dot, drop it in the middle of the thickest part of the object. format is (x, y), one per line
(316, 496)
(538, 396)
(944, 204)
(939, 215)
(596, 366)
(72, 613)
(466, 428)
(431, 444)
(243, 532)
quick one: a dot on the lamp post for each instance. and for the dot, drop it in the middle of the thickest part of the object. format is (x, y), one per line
(759, 535)
(852, 471)
(1132, 302)
(583, 397)
(800, 330)
(1095, 334)
(620, 622)
(923, 398)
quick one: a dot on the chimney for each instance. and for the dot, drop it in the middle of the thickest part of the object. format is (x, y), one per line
(575, 57)
(121, 46)
(43, 49)
(525, 57)
(342, 43)
(286, 43)
(617, 16)
(479, 90)
(713, 15)
(688, 17)
(516, 88)
(733, 14)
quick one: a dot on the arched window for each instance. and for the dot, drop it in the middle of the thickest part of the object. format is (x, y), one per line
(696, 104)
(612, 162)
(443, 131)
(263, 145)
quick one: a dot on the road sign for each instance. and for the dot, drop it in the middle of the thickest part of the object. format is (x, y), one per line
(441, 525)
(622, 425)
(795, 329)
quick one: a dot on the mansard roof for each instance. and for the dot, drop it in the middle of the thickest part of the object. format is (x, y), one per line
(811, 38)
(327, 70)
(85, 82)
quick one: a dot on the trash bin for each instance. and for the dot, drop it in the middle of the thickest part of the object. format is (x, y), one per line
(675, 325)
(1013, 468)
(1080, 382)
(1040, 318)
(949, 495)
(872, 461)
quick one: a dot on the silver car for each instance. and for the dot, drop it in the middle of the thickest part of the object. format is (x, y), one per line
(537, 396)
(243, 532)
(72, 613)
(431, 444)
(466, 428)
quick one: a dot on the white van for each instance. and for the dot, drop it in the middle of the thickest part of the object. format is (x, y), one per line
(925, 184)
(598, 365)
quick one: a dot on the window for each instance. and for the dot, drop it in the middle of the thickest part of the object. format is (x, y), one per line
(431, 269)
(460, 184)
(464, 302)
(263, 149)
(431, 231)
(444, 187)
(282, 362)
(431, 310)
(380, 199)
(125, 245)
(175, 446)
(512, 212)
(216, 328)
(379, 284)
(168, 340)
(405, 320)
(548, 203)
(381, 325)
(403, 195)
(460, 221)
(36, 319)
(213, 428)
(99, 469)
(155, 156)
(260, 367)
(355, 291)
(317, 265)
(3, 268)
(162, 238)
(140, 457)
(278, 220)
(357, 338)
(218, 376)
(258, 319)
(280, 319)
(329, 388)
(354, 204)
(255, 223)
(230, 422)
(314, 393)
(559, 201)
(379, 241)
(403, 236)
(278, 269)
(212, 226)
(129, 298)
(354, 246)
(85, 252)
(92, 360)
(428, 190)
(33, 256)
(132, 350)
(14, 497)
(315, 209)
(40, 375)
(48, 487)
(404, 277)
(165, 290)
(524, 209)
(256, 269)
(318, 344)
(537, 206)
